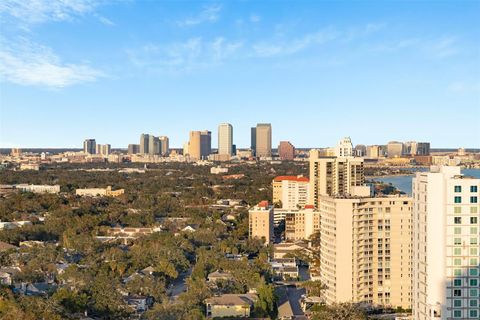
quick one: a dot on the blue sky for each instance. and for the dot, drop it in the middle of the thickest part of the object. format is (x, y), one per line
(317, 70)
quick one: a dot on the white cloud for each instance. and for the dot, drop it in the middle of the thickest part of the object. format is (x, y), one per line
(255, 18)
(194, 53)
(462, 87)
(106, 21)
(26, 63)
(38, 11)
(208, 14)
(275, 48)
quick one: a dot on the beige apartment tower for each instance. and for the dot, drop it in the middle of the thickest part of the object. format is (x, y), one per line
(263, 145)
(260, 221)
(365, 250)
(199, 144)
(335, 176)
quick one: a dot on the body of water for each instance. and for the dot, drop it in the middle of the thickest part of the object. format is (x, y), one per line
(404, 183)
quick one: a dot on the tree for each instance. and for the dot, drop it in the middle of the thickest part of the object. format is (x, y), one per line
(266, 305)
(342, 311)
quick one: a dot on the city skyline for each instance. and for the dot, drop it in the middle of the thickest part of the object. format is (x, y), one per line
(400, 70)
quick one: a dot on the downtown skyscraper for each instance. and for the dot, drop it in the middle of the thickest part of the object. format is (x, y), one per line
(225, 139)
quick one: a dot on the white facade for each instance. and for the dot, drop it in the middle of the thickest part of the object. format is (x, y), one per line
(38, 188)
(446, 245)
(295, 193)
(344, 148)
(225, 139)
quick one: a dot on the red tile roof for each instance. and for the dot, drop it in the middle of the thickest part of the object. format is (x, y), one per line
(263, 204)
(291, 178)
(309, 206)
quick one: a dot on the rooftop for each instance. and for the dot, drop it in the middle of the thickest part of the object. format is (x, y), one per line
(291, 178)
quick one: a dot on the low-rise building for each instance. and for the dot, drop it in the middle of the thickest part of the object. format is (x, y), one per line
(38, 188)
(99, 192)
(290, 191)
(231, 305)
(302, 224)
(218, 170)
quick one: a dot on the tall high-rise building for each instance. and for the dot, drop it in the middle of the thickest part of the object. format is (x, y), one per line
(395, 149)
(133, 148)
(365, 250)
(144, 143)
(200, 144)
(344, 148)
(446, 261)
(260, 221)
(164, 145)
(291, 191)
(103, 149)
(336, 176)
(286, 150)
(360, 150)
(263, 144)
(423, 149)
(153, 145)
(374, 152)
(253, 139)
(225, 139)
(90, 146)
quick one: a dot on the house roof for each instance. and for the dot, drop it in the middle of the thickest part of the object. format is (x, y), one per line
(291, 178)
(233, 299)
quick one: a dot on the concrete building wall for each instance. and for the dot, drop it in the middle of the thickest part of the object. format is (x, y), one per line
(263, 140)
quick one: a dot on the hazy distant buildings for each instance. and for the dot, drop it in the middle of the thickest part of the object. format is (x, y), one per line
(360, 150)
(365, 250)
(263, 141)
(133, 148)
(286, 150)
(260, 221)
(225, 139)
(253, 139)
(414, 148)
(144, 143)
(103, 149)
(395, 149)
(199, 144)
(99, 192)
(15, 152)
(374, 152)
(90, 146)
(446, 248)
(164, 145)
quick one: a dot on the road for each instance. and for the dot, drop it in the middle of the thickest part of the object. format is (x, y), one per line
(178, 286)
(289, 302)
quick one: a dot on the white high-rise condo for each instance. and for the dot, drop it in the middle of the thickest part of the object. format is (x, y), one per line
(225, 139)
(344, 148)
(446, 248)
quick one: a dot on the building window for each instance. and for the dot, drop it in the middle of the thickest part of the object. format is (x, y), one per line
(473, 230)
(457, 241)
(457, 230)
(473, 292)
(473, 272)
(457, 262)
(458, 188)
(457, 209)
(457, 282)
(457, 303)
(457, 272)
(473, 241)
(457, 293)
(473, 199)
(473, 261)
(457, 313)
(473, 251)
(473, 220)
(473, 282)
(457, 220)
(473, 189)
(458, 199)
(473, 303)
(473, 210)
(474, 314)
(457, 251)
